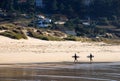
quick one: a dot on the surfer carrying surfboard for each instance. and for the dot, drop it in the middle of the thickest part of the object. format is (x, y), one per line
(75, 58)
(90, 57)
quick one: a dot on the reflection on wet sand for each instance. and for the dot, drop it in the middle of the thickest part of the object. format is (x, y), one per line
(60, 72)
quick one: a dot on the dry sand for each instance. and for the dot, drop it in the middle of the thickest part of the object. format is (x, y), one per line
(36, 51)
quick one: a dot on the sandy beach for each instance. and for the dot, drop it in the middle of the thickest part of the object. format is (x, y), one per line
(38, 60)
(37, 51)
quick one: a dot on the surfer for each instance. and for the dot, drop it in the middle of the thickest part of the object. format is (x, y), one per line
(90, 57)
(75, 58)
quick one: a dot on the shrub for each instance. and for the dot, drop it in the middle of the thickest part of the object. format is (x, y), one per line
(14, 35)
(50, 38)
(103, 21)
(43, 37)
(111, 41)
(7, 26)
(73, 38)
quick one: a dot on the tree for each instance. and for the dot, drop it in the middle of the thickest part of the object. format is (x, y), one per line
(12, 5)
(96, 9)
(54, 6)
(102, 8)
(62, 8)
(116, 7)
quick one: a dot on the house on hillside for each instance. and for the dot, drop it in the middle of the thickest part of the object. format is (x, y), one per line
(60, 22)
(40, 16)
(86, 23)
(60, 19)
(42, 21)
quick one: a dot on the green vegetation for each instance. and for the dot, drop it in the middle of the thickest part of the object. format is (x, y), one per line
(10, 30)
(15, 34)
(7, 26)
(110, 41)
(40, 35)
(72, 38)
(43, 37)
(76, 38)
(84, 39)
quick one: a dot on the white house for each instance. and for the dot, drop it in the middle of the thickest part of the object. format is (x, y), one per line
(86, 23)
(60, 22)
(47, 20)
(42, 21)
(40, 17)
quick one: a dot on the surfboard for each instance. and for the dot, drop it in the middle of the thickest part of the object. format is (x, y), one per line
(89, 56)
(76, 56)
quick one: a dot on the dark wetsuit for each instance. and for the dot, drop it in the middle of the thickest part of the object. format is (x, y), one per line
(75, 57)
(91, 56)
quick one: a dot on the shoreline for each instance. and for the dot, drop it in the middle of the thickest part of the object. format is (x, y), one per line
(59, 65)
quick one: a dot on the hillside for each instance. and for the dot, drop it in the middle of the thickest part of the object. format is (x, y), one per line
(76, 20)
(70, 8)
(18, 32)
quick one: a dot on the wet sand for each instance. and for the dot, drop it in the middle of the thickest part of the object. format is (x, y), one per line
(60, 72)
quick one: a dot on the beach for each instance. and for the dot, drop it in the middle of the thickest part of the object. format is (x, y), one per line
(36, 51)
(39, 60)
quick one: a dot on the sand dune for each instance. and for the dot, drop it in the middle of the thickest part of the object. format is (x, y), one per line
(35, 50)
